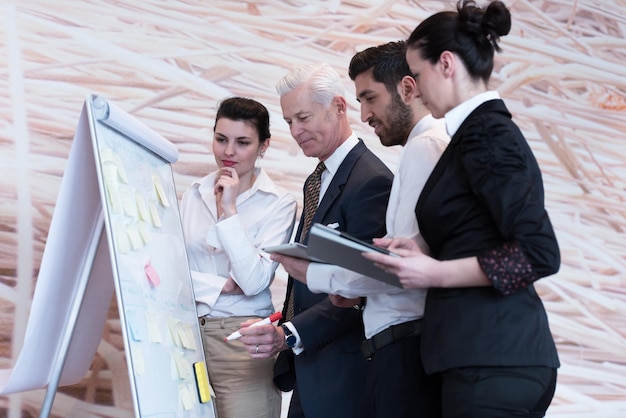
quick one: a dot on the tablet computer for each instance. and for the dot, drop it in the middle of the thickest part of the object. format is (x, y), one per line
(292, 249)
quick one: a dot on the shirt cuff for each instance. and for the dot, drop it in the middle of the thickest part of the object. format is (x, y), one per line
(298, 348)
(318, 276)
(507, 268)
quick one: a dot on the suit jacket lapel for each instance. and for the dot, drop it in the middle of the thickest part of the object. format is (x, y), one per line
(339, 180)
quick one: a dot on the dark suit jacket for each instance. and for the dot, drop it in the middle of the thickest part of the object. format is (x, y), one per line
(331, 371)
(486, 190)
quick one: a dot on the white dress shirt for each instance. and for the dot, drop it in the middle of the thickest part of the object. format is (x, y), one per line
(386, 304)
(333, 162)
(221, 248)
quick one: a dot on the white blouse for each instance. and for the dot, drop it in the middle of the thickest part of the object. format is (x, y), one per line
(221, 248)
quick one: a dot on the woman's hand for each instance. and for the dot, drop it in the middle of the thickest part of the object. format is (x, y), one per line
(417, 270)
(414, 269)
(226, 190)
(231, 288)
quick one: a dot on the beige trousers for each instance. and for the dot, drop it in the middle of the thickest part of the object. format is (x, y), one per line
(243, 386)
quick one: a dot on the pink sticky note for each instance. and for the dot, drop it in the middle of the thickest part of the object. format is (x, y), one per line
(152, 275)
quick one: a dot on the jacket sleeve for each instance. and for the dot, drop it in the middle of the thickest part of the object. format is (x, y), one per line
(504, 175)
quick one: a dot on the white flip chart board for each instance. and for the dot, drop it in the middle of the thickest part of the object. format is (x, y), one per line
(119, 178)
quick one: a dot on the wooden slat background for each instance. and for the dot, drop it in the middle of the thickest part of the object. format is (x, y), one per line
(169, 63)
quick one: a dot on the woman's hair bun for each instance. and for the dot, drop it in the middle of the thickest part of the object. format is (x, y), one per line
(491, 22)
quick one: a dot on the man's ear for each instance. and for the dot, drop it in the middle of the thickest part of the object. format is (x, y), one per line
(407, 89)
(339, 103)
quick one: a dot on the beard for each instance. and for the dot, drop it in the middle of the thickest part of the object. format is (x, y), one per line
(399, 118)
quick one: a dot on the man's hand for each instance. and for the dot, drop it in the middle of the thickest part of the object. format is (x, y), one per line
(263, 341)
(295, 267)
(341, 302)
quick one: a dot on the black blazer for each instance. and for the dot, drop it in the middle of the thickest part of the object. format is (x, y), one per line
(331, 371)
(485, 191)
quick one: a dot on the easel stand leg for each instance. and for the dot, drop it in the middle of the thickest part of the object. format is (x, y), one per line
(61, 356)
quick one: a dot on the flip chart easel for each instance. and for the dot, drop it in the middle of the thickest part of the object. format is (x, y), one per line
(116, 226)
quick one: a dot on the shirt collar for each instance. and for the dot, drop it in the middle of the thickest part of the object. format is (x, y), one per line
(456, 116)
(333, 162)
(424, 124)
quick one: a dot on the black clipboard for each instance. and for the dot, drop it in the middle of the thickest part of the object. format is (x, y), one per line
(342, 249)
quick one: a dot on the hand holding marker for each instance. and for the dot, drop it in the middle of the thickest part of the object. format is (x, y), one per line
(273, 317)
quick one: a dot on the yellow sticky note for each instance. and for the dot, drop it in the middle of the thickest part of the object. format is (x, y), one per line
(144, 231)
(202, 381)
(106, 155)
(112, 188)
(121, 170)
(139, 365)
(121, 238)
(134, 236)
(160, 191)
(154, 214)
(128, 203)
(185, 396)
(153, 328)
(172, 325)
(186, 332)
(144, 215)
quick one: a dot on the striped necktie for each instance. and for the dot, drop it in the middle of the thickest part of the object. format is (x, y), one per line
(311, 200)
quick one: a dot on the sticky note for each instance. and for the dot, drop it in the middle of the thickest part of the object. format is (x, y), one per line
(111, 186)
(133, 235)
(185, 336)
(139, 364)
(127, 200)
(185, 396)
(106, 155)
(154, 214)
(144, 215)
(153, 328)
(144, 231)
(160, 191)
(181, 367)
(133, 325)
(202, 381)
(186, 333)
(121, 171)
(152, 275)
(121, 238)
(171, 326)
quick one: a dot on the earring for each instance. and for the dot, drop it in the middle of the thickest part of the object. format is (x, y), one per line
(262, 154)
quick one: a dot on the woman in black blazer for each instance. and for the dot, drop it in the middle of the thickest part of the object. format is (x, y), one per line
(485, 234)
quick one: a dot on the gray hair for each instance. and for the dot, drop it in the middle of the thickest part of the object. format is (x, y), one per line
(324, 82)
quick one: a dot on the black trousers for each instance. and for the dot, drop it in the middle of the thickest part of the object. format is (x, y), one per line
(397, 385)
(497, 392)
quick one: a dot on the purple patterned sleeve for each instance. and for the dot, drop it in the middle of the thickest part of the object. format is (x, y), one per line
(507, 268)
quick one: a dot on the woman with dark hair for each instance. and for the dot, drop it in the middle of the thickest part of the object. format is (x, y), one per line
(485, 234)
(228, 216)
